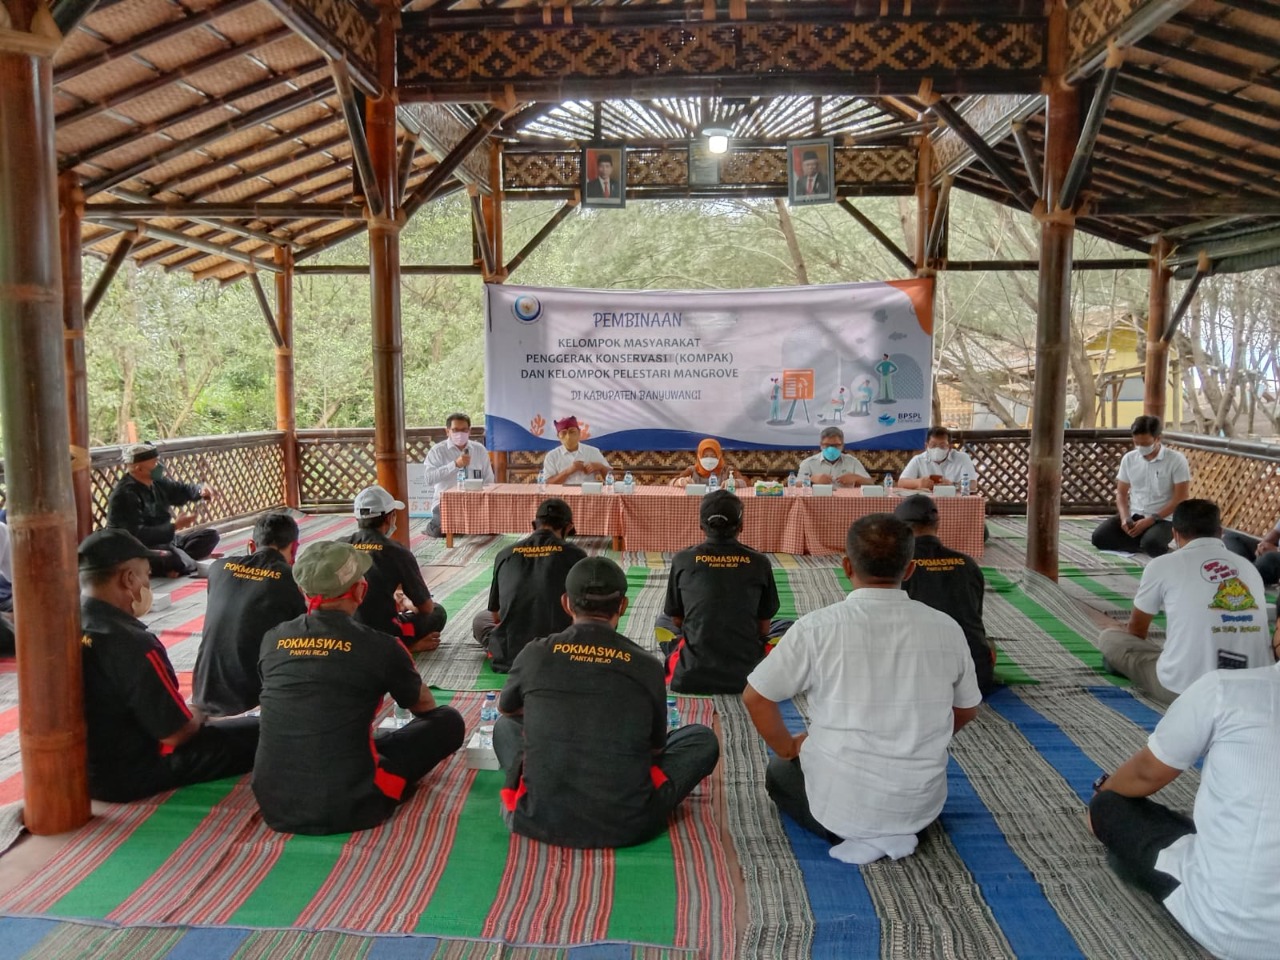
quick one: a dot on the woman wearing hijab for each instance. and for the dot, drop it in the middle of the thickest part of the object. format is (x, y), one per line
(708, 460)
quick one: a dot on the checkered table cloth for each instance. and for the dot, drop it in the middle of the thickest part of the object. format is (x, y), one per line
(665, 519)
(509, 508)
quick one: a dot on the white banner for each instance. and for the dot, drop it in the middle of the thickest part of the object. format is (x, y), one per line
(660, 370)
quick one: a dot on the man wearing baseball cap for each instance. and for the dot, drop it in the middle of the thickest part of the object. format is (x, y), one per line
(143, 738)
(528, 582)
(721, 598)
(583, 740)
(950, 581)
(324, 675)
(573, 462)
(141, 503)
(416, 619)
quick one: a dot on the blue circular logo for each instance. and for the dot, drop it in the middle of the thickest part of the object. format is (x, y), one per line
(527, 308)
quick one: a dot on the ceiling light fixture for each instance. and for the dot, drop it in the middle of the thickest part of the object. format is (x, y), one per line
(717, 138)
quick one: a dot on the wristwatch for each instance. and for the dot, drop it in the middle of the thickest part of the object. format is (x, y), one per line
(1097, 784)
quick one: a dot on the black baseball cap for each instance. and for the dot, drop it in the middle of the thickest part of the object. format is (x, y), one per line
(722, 503)
(555, 513)
(917, 509)
(595, 578)
(106, 549)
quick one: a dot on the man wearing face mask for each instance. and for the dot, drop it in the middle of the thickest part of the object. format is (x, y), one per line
(141, 503)
(941, 463)
(456, 452)
(143, 738)
(397, 601)
(320, 768)
(832, 465)
(573, 462)
(248, 595)
(1151, 482)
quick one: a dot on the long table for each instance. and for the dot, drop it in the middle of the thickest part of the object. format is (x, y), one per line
(665, 519)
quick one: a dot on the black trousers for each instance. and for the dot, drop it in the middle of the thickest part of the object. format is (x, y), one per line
(186, 549)
(222, 748)
(784, 781)
(422, 624)
(1246, 546)
(420, 745)
(1134, 830)
(1154, 542)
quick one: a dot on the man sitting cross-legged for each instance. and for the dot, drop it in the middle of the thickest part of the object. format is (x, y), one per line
(528, 582)
(248, 595)
(1150, 482)
(1216, 606)
(1218, 875)
(397, 601)
(720, 598)
(323, 678)
(888, 682)
(583, 740)
(143, 738)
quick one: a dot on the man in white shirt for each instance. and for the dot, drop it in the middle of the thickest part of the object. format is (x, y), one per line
(1263, 554)
(1219, 875)
(1216, 606)
(573, 462)
(832, 465)
(888, 682)
(456, 452)
(1151, 481)
(941, 463)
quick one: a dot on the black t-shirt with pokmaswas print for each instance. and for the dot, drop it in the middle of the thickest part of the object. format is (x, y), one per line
(528, 582)
(594, 711)
(722, 590)
(394, 566)
(323, 679)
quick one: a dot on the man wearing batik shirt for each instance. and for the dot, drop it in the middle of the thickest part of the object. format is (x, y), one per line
(319, 769)
(143, 738)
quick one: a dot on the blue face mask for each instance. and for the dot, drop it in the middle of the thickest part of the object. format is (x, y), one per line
(831, 454)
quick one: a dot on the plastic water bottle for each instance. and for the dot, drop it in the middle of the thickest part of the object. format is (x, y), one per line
(489, 710)
(401, 714)
(730, 483)
(628, 483)
(713, 483)
(806, 486)
(608, 482)
(964, 484)
(791, 481)
(888, 483)
(673, 715)
(462, 478)
(542, 481)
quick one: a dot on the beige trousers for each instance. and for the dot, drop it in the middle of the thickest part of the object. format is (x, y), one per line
(1135, 658)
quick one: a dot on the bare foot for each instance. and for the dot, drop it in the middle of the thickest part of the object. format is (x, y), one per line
(426, 644)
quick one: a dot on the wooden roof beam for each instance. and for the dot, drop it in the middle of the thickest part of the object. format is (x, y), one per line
(108, 274)
(351, 113)
(1203, 269)
(1160, 156)
(239, 231)
(1207, 61)
(536, 240)
(264, 305)
(211, 105)
(218, 211)
(1127, 29)
(1240, 39)
(406, 269)
(68, 14)
(984, 152)
(321, 35)
(1217, 152)
(124, 95)
(1027, 151)
(1143, 92)
(269, 111)
(195, 243)
(165, 31)
(1250, 108)
(1194, 206)
(1072, 182)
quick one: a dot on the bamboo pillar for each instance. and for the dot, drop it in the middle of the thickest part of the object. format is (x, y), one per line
(286, 399)
(71, 216)
(1156, 375)
(384, 284)
(926, 210)
(493, 212)
(33, 406)
(1053, 328)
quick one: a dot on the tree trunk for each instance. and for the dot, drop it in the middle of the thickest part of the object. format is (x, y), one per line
(793, 245)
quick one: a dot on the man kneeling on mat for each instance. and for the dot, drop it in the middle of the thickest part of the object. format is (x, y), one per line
(323, 678)
(583, 740)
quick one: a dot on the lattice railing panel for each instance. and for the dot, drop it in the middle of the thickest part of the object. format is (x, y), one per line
(1245, 484)
(335, 465)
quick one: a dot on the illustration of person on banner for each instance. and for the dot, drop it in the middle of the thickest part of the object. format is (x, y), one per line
(886, 368)
(865, 395)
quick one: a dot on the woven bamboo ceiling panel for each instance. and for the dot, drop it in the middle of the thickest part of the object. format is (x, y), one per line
(168, 104)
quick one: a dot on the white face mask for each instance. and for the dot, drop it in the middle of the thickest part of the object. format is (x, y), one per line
(709, 463)
(1146, 450)
(142, 602)
(459, 438)
(938, 454)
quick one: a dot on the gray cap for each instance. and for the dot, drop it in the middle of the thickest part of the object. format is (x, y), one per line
(140, 453)
(595, 578)
(330, 568)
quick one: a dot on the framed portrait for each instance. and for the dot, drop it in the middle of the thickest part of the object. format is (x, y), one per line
(811, 167)
(704, 166)
(604, 175)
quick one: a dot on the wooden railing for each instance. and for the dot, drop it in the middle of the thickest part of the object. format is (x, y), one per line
(247, 470)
